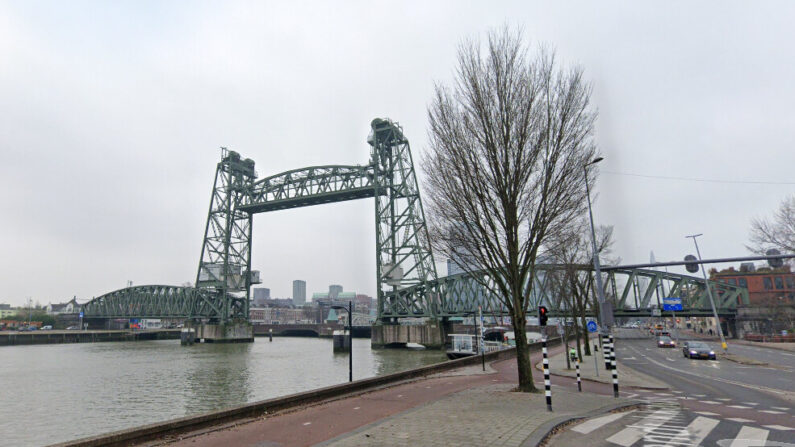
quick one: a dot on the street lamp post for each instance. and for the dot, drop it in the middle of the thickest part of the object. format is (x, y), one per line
(605, 314)
(709, 294)
(350, 337)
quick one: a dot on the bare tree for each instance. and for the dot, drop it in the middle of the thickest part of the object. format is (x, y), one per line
(776, 233)
(574, 282)
(508, 141)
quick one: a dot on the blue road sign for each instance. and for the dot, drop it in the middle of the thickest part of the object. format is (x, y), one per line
(81, 314)
(592, 327)
(672, 303)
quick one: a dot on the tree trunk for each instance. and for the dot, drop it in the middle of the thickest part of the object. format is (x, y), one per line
(522, 355)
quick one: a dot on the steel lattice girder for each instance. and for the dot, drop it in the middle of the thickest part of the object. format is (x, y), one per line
(224, 264)
(156, 301)
(402, 260)
(460, 295)
(309, 186)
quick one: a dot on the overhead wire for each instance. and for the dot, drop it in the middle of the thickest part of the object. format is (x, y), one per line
(692, 179)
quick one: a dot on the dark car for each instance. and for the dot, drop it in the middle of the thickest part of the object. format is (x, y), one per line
(698, 350)
(665, 341)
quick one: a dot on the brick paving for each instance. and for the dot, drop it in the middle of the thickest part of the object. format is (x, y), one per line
(490, 415)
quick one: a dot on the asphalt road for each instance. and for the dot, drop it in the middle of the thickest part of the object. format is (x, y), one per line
(710, 403)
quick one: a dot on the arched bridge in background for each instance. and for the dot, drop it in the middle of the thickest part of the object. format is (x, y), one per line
(407, 283)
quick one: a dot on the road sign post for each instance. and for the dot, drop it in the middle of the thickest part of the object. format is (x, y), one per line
(593, 327)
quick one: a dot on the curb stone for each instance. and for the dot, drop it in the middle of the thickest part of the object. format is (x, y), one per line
(542, 434)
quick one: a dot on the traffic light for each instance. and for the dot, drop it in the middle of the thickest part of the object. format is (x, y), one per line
(542, 315)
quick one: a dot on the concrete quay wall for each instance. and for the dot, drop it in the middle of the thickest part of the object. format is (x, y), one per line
(58, 337)
(174, 427)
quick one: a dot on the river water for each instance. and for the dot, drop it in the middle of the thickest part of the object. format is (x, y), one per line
(56, 393)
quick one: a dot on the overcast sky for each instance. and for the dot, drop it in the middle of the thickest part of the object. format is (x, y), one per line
(112, 114)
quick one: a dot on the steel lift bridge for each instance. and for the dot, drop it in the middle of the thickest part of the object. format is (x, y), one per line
(407, 281)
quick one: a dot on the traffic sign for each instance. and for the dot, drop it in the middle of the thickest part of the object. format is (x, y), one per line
(592, 326)
(656, 313)
(672, 303)
(81, 314)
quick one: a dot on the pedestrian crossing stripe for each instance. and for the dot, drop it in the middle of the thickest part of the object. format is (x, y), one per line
(778, 427)
(749, 436)
(593, 424)
(771, 411)
(780, 408)
(740, 420)
(743, 407)
(706, 413)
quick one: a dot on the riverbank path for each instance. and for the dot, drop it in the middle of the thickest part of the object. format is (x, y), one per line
(466, 407)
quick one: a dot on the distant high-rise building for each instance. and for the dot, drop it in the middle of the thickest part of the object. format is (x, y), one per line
(261, 294)
(334, 291)
(299, 292)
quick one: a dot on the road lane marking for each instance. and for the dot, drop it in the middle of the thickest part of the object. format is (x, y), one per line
(750, 403)
(595, 423)
(750, 436)
(719, 379)
(778, 427)
(743, 407)
(307, 423)
(700, 428)
(634, 433)
(780, 408)
(724, 399)
(740, 420)
(771, 411)
(706, 413)
(356, 408)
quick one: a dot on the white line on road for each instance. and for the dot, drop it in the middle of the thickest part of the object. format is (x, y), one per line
(780, 408)
(709, 402)
(743, 407)
(750, 436)
(778, 427)
(633, 434)
(771, 411)
(740, 420)
(700, 428)
(719, 379)
(593, 424)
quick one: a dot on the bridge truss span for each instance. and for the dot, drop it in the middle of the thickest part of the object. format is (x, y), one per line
(309, 186)
(633, 292)
(155, 301)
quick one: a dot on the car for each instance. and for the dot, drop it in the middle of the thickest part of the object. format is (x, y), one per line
(46, 328)
(698, 350)
(73, 328)
(665, 341)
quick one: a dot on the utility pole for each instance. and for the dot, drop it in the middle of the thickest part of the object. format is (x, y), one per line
(709, 294)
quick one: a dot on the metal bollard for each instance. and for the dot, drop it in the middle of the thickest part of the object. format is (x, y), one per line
(270, 334)
(613, 367)
(606, 351)
(577, 365)
(547, 383)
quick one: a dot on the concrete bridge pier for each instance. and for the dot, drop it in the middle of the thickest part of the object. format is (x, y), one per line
(431, 335)
(231, 332)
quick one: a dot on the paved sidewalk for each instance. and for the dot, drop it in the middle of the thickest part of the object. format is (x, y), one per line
(626, 375)
(491, 415)
(466, 407)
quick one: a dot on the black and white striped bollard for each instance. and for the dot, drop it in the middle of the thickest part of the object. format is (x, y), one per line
(606, 351)
(613, 367)
(547, 384)
(577, 364)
